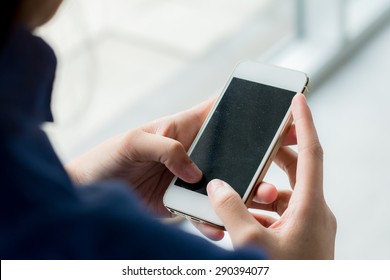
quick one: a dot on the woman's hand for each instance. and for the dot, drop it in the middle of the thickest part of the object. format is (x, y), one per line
(307, 227)
(146, 158)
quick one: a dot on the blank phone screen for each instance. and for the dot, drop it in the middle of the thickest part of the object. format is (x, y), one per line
(238, 134)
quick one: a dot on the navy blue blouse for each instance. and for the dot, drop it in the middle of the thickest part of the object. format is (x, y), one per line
(42, 214)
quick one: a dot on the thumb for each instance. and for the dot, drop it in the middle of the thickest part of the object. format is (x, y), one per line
(150, 147)
(241, 225)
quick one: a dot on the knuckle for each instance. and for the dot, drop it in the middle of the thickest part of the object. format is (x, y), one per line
(227, 200)
(315, 149)
(128, 146)
(167, 127)
(323, 215)
(174, 148)
(290, 168)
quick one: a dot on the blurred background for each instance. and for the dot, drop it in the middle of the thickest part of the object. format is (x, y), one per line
(126, 62)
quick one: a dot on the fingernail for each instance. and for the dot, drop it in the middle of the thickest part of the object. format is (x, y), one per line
(194, 174)
(215, 186)
(297, 96)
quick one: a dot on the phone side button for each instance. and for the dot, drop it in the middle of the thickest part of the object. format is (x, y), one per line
(195, 220)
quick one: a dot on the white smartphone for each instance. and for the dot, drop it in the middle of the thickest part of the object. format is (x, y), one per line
(239, 138)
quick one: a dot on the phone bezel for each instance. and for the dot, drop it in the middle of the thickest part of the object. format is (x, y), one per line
(196, 206)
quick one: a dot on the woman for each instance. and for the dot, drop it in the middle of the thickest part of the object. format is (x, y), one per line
(103, 205)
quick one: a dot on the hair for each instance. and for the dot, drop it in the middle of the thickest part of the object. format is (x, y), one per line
(8, 10)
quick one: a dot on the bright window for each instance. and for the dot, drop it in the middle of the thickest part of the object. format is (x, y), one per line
(124, 62)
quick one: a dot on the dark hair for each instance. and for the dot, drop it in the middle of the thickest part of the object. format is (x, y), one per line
(8, 10)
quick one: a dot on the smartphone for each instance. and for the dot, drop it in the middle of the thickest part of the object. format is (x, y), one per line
(239, 138)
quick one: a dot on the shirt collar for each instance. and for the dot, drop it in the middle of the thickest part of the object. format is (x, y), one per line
(27, 70)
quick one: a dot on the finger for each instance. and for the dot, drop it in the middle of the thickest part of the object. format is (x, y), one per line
(291, 136)
(310, 154)
(286, 159)
(193, 120)
(264, 220)
(202, 110)
(185, 125)
(279, 205)
(266, 193)
(233, 213)
(210, 232)
(171, 153)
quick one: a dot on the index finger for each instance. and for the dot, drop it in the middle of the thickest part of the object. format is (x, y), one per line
(196, 115)
(185, 125)
(310, 154)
